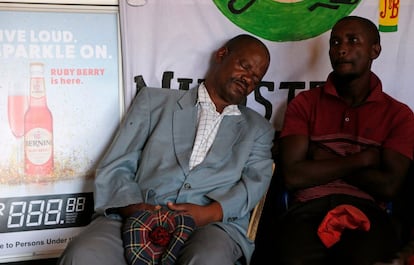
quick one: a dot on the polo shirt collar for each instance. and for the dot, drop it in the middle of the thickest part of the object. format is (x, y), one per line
(376, 88)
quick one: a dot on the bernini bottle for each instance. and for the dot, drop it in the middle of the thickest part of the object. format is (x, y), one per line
(38, 127)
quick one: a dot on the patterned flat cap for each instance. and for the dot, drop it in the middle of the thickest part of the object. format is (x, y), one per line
(151, 238)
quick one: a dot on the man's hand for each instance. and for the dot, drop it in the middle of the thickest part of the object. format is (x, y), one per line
(202, 215)
(371, 157)
(129, 210)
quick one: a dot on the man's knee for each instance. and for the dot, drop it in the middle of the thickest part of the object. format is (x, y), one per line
(99, 243)
(74, 254)
(209, 245)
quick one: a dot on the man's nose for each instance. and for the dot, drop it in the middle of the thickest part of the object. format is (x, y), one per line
(342, 49)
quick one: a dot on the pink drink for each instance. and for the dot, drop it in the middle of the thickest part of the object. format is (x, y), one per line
(17, 105)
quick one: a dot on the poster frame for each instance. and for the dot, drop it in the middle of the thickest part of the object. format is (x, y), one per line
(93, 7)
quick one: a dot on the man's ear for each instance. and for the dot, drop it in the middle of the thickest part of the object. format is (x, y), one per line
(221, 53)
(375, 51)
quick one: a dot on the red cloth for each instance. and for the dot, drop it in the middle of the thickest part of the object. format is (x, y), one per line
(337, 220)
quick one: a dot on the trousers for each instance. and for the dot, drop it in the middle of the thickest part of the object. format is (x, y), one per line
(101, 243)
(297, 241)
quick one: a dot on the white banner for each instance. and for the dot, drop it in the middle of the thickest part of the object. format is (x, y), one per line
(169, 43)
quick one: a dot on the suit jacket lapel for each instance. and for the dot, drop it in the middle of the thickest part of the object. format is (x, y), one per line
(227, 135)
(184, 128)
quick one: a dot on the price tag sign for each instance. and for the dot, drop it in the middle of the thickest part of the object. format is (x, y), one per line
(45, 212)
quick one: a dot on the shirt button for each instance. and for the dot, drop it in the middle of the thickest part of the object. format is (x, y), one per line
(347, 119)
(187, 186)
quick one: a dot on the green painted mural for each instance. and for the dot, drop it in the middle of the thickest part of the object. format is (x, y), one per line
(285, 20)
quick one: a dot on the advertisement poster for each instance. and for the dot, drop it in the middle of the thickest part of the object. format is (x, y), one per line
(60, 105)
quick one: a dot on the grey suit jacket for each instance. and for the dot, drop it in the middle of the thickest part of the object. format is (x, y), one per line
(148, 160)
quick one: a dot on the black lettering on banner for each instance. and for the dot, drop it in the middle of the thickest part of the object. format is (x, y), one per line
(166, 79)
(347, 2)
(184, 84)
(237, 11)
(139, 82)
(291, 86)
(332, 6)
(319, 4)
(260, 99)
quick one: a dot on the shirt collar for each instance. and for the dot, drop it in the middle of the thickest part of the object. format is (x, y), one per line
(376, 88)
(205, 101)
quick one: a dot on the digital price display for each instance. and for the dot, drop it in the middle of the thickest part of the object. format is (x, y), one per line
(45, 212)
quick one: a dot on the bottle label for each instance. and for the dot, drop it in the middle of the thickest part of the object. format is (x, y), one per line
(37, 90)
(38, 146)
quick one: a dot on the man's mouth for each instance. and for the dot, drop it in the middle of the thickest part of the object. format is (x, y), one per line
(241, 86)
(341, 62)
